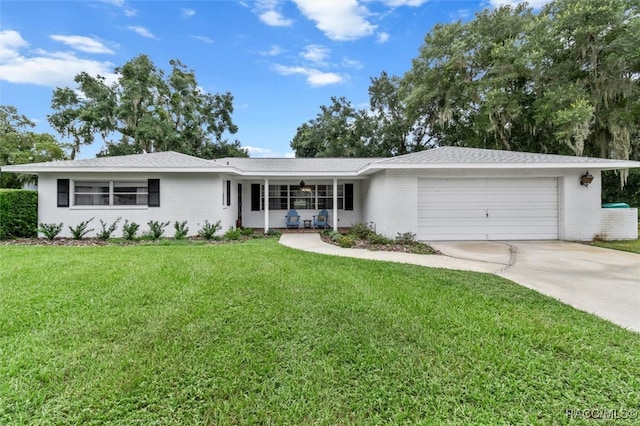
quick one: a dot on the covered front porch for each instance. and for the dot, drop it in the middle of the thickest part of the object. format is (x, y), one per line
(265, 203)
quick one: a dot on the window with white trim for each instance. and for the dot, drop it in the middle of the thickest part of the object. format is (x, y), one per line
(110, 193)
(309, 197)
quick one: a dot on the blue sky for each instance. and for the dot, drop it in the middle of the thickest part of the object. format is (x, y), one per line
(280, 59)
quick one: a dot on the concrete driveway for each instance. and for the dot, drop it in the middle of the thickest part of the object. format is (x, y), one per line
(596, 280)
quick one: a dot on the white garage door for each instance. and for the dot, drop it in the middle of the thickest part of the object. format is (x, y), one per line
(487, 209)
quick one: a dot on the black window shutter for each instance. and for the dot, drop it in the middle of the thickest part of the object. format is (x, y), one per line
(63, 192)
(228, 193)
(255, 197)
(153, 186)
(348, 196)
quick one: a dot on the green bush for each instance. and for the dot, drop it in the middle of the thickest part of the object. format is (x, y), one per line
(247, 232)
(181, 230)
(360, 230)
(208, 231)
(18, 213)
(50, 230)
(156, 229)
(345, 241)
(379, 239)
(129, 230)
(106, 232)
(407, 238)
(233, 234)
(334, 236)
(80, 230)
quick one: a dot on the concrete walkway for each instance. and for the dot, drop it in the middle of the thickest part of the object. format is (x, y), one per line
(599, 281)
(492, 262)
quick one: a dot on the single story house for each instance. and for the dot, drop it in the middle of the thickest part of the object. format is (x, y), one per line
(446, 193)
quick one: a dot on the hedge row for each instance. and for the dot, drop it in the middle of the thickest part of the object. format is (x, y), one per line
(18, 213)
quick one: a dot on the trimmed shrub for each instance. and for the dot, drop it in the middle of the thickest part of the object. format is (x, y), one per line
(247, 232)
(407, 238)
(50, 230)
(379, 239)
(106, 232)
(80, 230)
(233, 234)
(156, 229)
(345, 241)
(129, 230)
(181, 230)
(18, 213)
(208, 231)
(360, 230)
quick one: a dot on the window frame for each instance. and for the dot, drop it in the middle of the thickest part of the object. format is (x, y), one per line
(308, 198)
(111, 185)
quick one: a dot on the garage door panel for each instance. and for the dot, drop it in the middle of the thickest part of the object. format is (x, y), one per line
(489, 208)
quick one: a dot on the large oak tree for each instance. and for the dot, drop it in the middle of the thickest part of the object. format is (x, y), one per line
(147, 111)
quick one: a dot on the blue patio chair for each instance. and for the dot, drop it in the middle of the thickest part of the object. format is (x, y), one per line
(293, 219)
(321, 220)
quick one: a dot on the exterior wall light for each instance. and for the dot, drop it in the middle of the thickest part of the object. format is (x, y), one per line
(302, 185)
(586, 179)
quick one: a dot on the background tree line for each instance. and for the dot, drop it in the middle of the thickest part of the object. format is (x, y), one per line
(565, 80)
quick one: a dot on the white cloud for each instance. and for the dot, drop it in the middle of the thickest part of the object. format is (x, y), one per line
(118, 3)
(44, 68)
(352, 63)
(315, 78)
(275, 19)
(338, 19)
(411, 3)
(82, 43)
(188, 13)
(536, 4)
(382, 38)
(316, 54)
(203, 39)
(275, 50)
(10, 44)
(130, 12)
(52, 69)
(257, 152)
(141, 31)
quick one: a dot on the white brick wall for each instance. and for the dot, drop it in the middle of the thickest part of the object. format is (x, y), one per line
(192, 197)
(619, 224)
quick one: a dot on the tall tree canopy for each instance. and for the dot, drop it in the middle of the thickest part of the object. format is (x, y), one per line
(19, 145)
(565, 80)
(148, 110)
(339, 130)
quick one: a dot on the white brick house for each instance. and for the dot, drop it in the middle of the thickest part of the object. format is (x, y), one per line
(446, 193)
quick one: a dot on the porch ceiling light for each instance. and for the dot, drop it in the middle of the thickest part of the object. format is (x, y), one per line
(302, 184)
(586, 179)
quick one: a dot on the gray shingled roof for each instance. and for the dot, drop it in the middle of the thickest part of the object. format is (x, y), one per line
(443, 157)
(156, 160)
(458, 155)
(297, 165)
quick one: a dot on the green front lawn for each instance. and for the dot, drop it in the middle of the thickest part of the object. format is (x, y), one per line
(632, 245)
(260, 333)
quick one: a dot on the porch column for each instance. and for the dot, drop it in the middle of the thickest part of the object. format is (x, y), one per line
(266, 205)
(335, 204)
